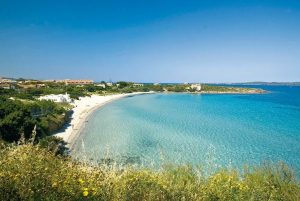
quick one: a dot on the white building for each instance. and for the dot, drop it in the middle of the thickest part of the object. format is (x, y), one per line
(138, 85)
(101, 85)
(7, 80)
(197, 87)
(59, 98)
(7, 86)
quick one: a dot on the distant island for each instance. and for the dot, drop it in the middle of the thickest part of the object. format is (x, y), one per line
(265, 83)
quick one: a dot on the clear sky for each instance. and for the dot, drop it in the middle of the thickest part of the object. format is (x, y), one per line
(151, 40)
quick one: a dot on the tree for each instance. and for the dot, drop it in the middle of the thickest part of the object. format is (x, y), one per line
(14, 124)
(17, 117)
(55, 145)
(122, 84)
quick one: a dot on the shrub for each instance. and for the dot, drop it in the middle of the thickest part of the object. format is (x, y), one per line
(29, 172)
(55, 145)
(19, 117)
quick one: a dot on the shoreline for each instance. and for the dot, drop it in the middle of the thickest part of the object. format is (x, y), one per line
(83, 108)
(86, 106)
(250, 92)
(234, 92)
(217, 93)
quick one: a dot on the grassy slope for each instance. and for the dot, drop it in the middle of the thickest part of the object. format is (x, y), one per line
(31, 173)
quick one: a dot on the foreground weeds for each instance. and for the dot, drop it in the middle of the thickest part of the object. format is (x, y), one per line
(30, 172)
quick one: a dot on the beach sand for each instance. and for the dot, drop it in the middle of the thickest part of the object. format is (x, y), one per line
(82, 109)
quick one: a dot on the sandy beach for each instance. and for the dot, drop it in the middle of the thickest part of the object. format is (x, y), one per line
(82, 109)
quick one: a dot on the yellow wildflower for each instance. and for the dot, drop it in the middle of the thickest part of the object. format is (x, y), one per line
(80, 181)
(85, 193)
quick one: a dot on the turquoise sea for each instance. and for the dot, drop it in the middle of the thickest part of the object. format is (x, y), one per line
(216, 130)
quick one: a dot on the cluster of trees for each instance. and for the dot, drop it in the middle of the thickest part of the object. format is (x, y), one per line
(18, 118)
(128, 87)
(219, 88)
(77, 91)
(51, 88)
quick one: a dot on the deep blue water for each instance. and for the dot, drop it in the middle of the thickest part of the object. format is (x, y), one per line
(215, 130)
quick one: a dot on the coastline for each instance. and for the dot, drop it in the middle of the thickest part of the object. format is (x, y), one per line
(234, 92)
(83, 108)
(255, 91)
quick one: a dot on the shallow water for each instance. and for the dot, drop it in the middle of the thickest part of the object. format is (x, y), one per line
(221, 130)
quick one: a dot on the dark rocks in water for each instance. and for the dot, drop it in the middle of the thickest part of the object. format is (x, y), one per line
(106, 161)
(131, 160)
(124, 160)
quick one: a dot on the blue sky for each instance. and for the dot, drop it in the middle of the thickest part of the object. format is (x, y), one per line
(151, 40)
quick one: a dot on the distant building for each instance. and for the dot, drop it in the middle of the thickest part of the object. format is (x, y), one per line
(197, 87)
(100, 85)
(40, 85)
(109, 84)
(31, 86)
(77, 82)
(32, 81)
(138, 85)
(59, 98)
(49, 81)
(7, 80)
(156, 84)
(7, 86)
(6, 83)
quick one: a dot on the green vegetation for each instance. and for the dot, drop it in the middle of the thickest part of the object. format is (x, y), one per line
(18, 118)
(29, 172)
(228, 89)
(30, 91)
(128, 87)
(55, 145)
(49, 88)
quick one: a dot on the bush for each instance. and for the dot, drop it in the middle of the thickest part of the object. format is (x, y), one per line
(55, 145)
(30, 172)
(17, 117)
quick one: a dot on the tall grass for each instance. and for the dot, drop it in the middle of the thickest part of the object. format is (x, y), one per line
(29, 172)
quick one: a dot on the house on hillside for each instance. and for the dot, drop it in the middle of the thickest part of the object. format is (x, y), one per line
(6, 83)
(100, 85)
(7, 86)
(7, 80)
(196, 87)
(76, 82)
